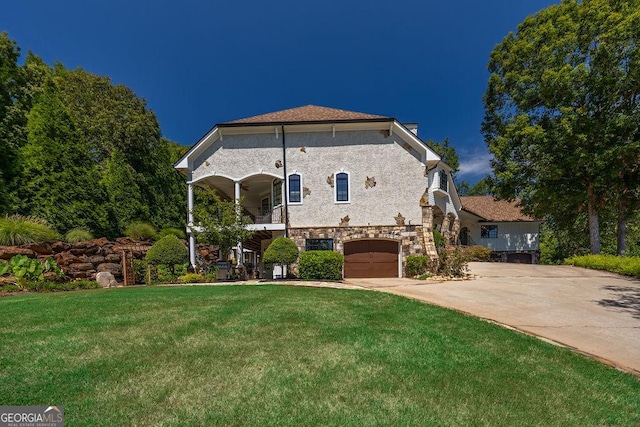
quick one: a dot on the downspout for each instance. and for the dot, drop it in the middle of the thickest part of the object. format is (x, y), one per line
(285, 196)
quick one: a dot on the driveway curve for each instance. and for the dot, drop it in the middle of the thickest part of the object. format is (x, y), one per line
(593, 312)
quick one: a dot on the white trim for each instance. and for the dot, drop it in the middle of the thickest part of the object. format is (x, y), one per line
(335, 191)
(265, 227)
(289, 188)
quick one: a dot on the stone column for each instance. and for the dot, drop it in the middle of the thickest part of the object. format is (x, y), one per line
(455, 231)
(427, 232)
(445, 230)
(192, 236)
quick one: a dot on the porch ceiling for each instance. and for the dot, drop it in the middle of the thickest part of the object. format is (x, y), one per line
(254, 243)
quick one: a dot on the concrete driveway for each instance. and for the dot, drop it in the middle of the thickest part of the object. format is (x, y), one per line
(593, 312)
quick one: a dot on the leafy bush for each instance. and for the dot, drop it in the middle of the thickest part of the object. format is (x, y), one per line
(438, 239)
(140, 231)
(78, 235)
(281, 251)
(20, 230)
(629, 266)
(451, 263)
(477, 253)
(28, 270)
(175, 231)
(417, 265)
(192, 278)
(168, 251)
(320, 265)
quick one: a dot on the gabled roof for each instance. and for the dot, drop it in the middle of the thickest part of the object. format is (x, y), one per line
(490, 209)
(308, 114)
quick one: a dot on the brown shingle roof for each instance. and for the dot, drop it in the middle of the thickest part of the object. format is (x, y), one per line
(308, 113)
(491, 209)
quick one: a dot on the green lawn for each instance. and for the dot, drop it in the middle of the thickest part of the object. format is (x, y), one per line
(279, 355)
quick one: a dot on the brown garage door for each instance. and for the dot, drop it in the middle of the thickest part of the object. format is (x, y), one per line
(371, 258)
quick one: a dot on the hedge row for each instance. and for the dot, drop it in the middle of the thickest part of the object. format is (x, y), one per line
(629, 266)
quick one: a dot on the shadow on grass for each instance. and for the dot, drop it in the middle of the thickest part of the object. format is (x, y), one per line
(627, 299)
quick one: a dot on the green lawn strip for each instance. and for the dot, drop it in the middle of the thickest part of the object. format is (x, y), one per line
(279, 355)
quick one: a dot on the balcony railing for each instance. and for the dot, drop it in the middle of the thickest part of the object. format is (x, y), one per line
(273, 216)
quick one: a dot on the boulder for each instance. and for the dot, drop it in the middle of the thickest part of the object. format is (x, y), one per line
(114, 258)
(106, 279)
(8, 252)
(115, 269)
(39, 248)
(96, 259)
(59, 246)
(81, 266)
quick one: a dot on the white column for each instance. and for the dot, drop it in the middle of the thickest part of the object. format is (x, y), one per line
(239, 252)
(192, 236)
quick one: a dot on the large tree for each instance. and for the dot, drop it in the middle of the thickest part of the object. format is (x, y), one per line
(562, 108)
(58, 180)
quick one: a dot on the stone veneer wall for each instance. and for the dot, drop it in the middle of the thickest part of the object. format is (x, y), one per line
(409, 236)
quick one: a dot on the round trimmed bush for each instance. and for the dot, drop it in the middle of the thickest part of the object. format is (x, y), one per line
(78, 235)
(139, 230)
(320, 265)
(175, 231)
(416, 265)
(20, 230)
(168, 251)
(281, 251)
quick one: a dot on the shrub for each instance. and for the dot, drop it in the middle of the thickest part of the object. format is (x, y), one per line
(477, 253)
(417, 265)
(139, 230)
(451, 263)
(438, 239)
(28, 271)
(174, 231)
(20, 230)
(320, 265)
(168, 251)
(629, 266)
(191, 278)
(78, 235)
(281, 251)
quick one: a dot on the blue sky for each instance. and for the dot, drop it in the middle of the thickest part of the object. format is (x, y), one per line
(198, 63)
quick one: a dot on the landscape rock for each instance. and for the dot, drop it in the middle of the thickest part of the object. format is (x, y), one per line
(113, 258)
(106, 279)
(8, 252)
(115, 269)
(81, 266)
(39, 248)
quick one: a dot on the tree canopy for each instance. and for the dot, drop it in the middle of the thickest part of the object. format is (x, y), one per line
(562, 113)
(80, 151)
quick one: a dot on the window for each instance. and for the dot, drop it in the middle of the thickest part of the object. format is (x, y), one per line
(294, 188)
(444, 181)
(264, 206)
(318, 245)
(489, 231)
(277, 192)
(342, 187)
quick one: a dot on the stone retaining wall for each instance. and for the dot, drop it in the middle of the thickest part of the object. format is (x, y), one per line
(84, 260)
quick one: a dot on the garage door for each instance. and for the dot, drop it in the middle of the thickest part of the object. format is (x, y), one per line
(519, 258)
(370, 258)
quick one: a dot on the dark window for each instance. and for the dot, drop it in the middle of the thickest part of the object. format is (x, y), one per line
(277, 192)
(444, 181)
(489, 231)
(318, 245)
(265, 208)
(342, 187)
(295, 195)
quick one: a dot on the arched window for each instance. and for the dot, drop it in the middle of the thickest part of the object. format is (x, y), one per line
(342, 187)
(295, 188)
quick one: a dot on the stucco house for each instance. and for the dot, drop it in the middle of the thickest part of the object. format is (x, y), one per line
(361, 184)
(501, 226)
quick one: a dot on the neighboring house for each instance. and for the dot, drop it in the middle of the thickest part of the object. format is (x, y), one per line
(501, 226)
(360, 184)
